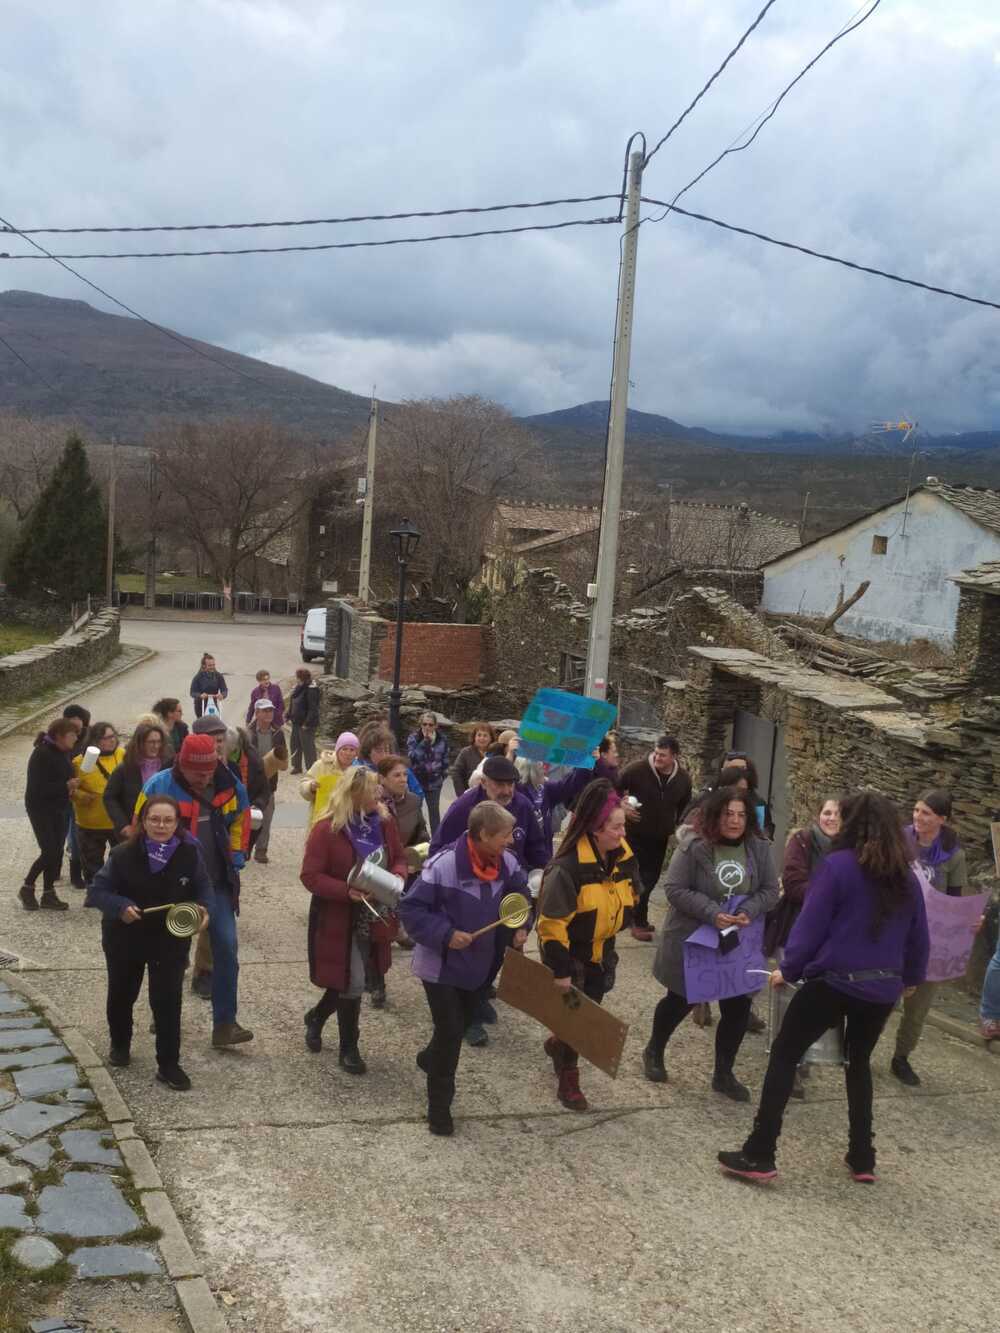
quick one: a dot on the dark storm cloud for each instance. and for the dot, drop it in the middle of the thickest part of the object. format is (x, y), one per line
(233, 109)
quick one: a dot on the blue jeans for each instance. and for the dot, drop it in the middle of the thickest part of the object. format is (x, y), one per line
(225, 957)
(990, 1005)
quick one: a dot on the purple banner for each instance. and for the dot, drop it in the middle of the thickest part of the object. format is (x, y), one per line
(952, 923)
(711, 975)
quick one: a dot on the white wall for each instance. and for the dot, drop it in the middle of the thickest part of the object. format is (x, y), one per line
(910, 596)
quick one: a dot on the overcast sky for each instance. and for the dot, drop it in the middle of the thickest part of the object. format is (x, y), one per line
(231, 110)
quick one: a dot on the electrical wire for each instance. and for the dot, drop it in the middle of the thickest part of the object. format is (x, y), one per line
(691, 106)
(31, 369)
(831, 259)
(328, 245)
(736, 146)
(304, 222)
(169, 333)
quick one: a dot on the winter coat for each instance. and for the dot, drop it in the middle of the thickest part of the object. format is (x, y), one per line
(209, 682)
(582, 907)
(466, 763)
(122, 791)
(228, 803)
(695, 898)
(662, 800)
(49, 770)
(249, 769)
(88, 799)
(428, 759)
(408, 812)
(125, 880)
(328, 860)
(449, 897)
(274, 756)
(566, 790)
(272, 692)
(303, 706)
(529, 844)
(176, 735)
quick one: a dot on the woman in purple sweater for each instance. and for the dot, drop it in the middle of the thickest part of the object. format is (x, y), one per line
(859, 943)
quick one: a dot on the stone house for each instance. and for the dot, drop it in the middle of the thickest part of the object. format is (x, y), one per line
(906, 550)
(673, 536)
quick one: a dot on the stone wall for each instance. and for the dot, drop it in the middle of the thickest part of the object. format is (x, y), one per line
(367, 631)
(31, 672)
(977, 636)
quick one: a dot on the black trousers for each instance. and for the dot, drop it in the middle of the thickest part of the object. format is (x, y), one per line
(452, 1011)
(649, 856)
(303, 747)
(49, 825)
(92, 842)
(130, 951)
(816, 1008)
(733, 1015)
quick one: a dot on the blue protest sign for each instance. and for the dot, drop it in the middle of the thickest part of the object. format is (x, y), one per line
(563, 728)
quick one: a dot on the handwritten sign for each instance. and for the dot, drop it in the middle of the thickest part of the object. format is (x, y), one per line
(563, 728)
(711, 975)
(952, 924)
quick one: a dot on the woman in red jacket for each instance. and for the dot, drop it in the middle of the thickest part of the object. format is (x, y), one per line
(342, 930)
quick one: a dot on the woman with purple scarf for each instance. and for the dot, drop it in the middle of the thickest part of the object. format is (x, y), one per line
(344, 931)
(145, 754)
(160, 863)
(937, 852)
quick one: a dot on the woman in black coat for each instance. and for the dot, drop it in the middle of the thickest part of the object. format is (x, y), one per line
(51, 782)
(145, 754)
(159, 863)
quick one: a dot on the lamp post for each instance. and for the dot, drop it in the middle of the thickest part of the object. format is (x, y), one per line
(405, 539)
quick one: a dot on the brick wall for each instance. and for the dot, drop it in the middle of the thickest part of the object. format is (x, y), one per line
(448, 656)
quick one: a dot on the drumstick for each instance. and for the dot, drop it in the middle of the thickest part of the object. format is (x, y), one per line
(483, 929)
(163, 907)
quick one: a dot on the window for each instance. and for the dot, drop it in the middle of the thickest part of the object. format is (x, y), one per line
(572, 671)
(880, 545)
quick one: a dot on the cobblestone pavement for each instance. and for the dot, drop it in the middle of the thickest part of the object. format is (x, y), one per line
(317, 1201)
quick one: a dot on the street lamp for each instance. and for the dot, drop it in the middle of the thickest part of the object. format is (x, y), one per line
(405, 538)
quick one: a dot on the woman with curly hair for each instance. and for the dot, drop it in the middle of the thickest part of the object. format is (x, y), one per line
(859, 943)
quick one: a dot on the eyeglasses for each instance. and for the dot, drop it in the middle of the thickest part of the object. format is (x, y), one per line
(161, 821)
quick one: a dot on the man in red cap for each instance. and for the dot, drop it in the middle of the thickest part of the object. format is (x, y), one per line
(212, 802)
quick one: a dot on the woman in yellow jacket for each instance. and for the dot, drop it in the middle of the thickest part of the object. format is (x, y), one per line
(588, 894)
(94, 826)
(318, 784)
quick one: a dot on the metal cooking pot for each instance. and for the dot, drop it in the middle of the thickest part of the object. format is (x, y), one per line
(828, 1050)
(370, 877)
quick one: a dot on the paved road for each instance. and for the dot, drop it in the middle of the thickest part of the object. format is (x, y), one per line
(320, 1202)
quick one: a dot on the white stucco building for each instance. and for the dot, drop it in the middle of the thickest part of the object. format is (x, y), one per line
(907, 550)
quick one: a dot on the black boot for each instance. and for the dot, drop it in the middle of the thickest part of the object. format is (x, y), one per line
(26, 894)
(76, 873)
(348, 1012)
(314, 1030)
(52, 901)
(726, 1082)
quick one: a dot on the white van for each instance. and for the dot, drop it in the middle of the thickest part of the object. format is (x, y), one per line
(313, 639)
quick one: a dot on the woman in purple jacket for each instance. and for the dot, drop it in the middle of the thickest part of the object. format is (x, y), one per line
(859, 943)
(458, 891)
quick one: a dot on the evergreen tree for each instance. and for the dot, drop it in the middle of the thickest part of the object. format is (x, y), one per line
(61, 546)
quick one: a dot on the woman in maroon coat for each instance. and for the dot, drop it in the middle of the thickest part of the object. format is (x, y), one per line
(342, 930)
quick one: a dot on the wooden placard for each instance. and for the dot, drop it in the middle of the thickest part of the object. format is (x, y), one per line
(575, 1019)
(995, 839)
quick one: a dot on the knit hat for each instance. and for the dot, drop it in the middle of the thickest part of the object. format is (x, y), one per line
(198, 752)
(347, 738)
(498, 768)
(212, 725)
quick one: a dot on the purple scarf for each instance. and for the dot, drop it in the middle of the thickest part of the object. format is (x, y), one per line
(159, 853)
(147, 767)
(936, 854)
(365, 833)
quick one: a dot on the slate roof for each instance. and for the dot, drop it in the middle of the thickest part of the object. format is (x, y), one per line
(985, 577)
(979, 503)
(704, 531)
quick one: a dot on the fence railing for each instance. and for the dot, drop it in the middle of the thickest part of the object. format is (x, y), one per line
(245, 602)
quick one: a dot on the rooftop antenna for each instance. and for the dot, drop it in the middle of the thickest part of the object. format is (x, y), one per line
(908, 426)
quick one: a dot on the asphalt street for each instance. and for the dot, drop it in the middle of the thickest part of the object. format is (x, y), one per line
(319, 1201)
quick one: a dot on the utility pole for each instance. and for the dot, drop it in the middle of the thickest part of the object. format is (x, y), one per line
(109, 577)
(364, 581)
(149, 600)
(602, 613)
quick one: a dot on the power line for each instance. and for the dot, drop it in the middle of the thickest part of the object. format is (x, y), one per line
(298, 249)
(169, 333)
(769, 112)
(31, 369)
(303, 222)
(831, 259)
(691, 106)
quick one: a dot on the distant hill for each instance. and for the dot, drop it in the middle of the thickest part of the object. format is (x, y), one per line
(118, 375)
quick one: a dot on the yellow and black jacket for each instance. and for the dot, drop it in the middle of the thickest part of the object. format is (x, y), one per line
(582, 907)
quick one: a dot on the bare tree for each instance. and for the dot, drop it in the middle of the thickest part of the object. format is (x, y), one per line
(233, 489)
(29, 451)
(445, 462)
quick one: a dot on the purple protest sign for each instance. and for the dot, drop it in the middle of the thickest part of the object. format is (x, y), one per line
(952, 924)
(711, 975)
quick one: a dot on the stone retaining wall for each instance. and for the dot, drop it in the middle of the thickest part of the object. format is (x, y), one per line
(67, 658)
